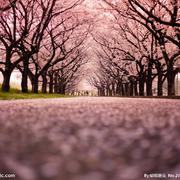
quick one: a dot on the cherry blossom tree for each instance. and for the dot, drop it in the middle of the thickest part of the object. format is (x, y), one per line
(161, 19)
(24, 26)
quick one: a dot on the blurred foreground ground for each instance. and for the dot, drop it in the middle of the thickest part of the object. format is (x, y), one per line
(89, 138)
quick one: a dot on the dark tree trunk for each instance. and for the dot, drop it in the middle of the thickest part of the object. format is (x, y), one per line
(24, 82)
(51, 81)
(170, 70)
(149, 80)
(135, 89)
(120, 88)
(123, 93)
(160, 79)
(127, 90)
(6, 81)
(141, 85)
(160, 84)
(107, 91)
(7, 73)
(103, 91)
(113, 90)
(149, 87)
(110, 92)
(171, 80)
(131, 86)
(62, 89)
(35, 85)
(44, 83)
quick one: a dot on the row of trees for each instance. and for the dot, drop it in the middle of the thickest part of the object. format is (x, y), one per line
(141, 45)
(45, 41)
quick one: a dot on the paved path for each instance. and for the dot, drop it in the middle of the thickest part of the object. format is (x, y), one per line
(89, 138)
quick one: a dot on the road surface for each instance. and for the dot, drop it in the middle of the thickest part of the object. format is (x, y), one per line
(90, 138)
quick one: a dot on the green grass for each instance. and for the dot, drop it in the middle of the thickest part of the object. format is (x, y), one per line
(17, 94)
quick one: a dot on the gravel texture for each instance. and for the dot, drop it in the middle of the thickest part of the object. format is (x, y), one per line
(89, 138)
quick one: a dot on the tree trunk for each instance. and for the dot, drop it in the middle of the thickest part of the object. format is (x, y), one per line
(149, 87)
(35, 85)
(170, 70)
(107, 91)
(6, 81)
(127, 89)
(110, 92)
(51, 80)
(135, 88)
(122, 90)
(7, 73)
(113, 89)
(102, 92)
(119, 89)
(160, 79)
(149, 80)
(44, 83)
(160, 84)
(131, 93)
(141, 86)
(24, 82)
(171, 80)
(62, 89)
